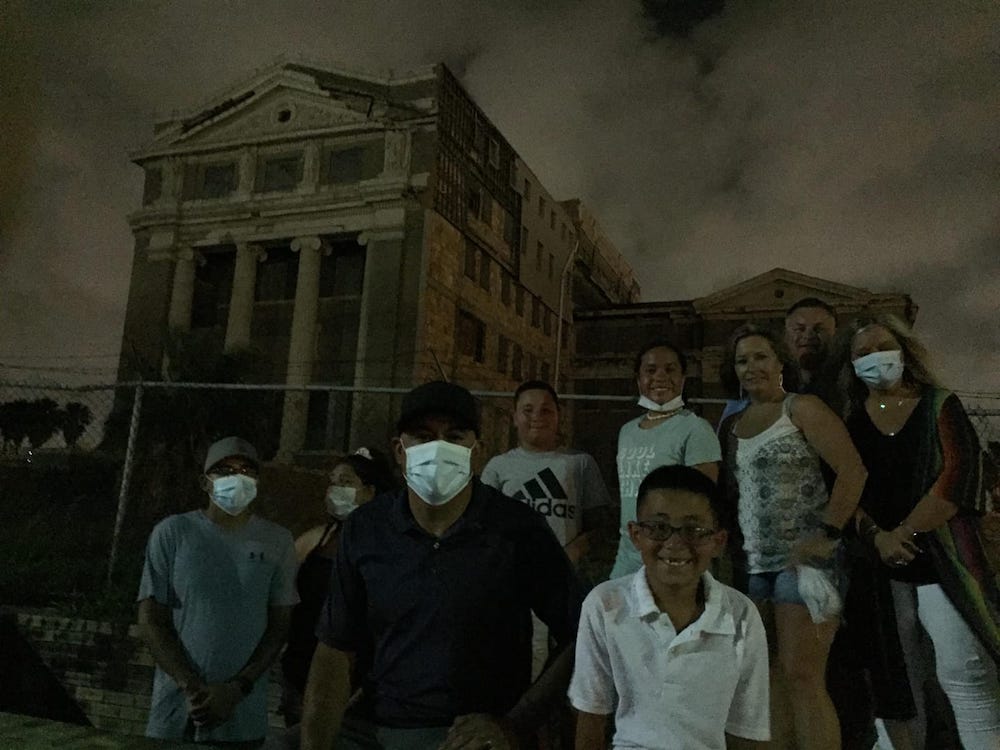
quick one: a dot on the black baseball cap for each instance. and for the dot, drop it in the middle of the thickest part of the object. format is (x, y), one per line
(442, 399)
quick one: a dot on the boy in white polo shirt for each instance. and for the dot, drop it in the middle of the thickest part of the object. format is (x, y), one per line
(679, 658)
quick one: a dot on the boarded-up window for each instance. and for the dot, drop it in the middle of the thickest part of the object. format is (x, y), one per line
(209, 180)
(279, 173)
(353, 164)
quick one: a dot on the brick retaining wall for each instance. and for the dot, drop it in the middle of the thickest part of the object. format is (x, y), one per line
(105, 668)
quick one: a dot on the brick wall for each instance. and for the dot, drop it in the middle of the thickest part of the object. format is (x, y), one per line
(104, 667)
(448, 288)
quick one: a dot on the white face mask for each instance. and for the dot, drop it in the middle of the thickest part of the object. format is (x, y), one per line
(234, 492)
(880, 370)
(672, 405)
(438, 470)
(340, 501)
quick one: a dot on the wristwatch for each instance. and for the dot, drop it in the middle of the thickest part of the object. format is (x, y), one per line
(831, 531)
(245, 683)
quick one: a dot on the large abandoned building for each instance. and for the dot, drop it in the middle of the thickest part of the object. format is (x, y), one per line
(363, 231)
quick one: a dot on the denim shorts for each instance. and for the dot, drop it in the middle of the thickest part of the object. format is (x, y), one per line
(782, 586)
(779, 586)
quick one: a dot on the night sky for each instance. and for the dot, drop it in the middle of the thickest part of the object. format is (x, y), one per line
(854, 141)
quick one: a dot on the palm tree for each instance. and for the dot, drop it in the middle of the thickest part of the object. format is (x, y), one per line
(74, 419)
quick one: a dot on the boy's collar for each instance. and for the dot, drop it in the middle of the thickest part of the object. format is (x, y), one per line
(712, 620)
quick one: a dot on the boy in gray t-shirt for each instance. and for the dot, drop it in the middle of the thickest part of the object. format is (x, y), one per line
(563, 485)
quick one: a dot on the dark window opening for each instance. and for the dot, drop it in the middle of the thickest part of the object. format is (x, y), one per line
(471, 336)
(213, 286)
(152, 187)
(342, 272)
(475, 202)
(277, 275)
(485, 271)
(503, 353)
(471, 253)
(219, 180)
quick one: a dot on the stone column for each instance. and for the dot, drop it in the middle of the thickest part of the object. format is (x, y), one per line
(247, 173)
(182, 293)
(310, 168)
(241, 300)
(383, 309)
(302, 347)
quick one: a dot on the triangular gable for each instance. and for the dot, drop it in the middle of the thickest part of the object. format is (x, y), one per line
(278, 104)
(778, 289)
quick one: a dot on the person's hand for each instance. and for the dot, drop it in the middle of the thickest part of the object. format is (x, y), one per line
(896, 548)
(576, 549)
(812, 549)
(214, 703)
(479, 732)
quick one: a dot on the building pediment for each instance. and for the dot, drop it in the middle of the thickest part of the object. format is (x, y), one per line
(776, 290)
(283, 105)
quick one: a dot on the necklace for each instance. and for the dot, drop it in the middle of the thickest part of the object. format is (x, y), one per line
(662, 415)
(882, 404)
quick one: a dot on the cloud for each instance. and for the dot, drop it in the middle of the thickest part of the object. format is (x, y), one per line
(853, 141)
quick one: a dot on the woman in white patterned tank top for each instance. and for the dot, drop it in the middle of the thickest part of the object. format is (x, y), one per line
(787, 517)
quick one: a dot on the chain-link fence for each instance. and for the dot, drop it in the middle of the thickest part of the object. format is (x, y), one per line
(87, 471)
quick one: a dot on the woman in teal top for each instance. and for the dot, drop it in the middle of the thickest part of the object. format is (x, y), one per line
(666, 434)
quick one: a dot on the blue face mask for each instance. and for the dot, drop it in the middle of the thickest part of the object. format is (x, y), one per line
(234, 493)
(880, 370)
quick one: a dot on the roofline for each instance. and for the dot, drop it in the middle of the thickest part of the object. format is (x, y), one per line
(388, 77)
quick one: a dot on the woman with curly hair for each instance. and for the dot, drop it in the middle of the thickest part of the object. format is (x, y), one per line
(933, 604)
(791, 524)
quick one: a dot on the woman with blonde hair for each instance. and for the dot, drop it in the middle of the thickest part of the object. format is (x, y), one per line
(933, 605)
(791, 524)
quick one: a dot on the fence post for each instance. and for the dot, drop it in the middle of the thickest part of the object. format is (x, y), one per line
(133, 431)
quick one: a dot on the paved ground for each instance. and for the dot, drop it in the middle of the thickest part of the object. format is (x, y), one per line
(28, 733)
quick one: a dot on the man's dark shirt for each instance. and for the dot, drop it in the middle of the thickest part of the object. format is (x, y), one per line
(446, 621)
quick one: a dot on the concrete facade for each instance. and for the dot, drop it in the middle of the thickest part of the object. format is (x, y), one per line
(357, 230)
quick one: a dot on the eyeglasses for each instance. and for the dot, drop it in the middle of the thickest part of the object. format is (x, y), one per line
(228, 471)
(660, 531)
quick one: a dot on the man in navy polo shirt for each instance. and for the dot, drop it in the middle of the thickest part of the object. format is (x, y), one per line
(430, 603)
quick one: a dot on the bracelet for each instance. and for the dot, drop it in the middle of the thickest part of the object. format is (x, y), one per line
(245, 684)
(869, 530)
(909, 529)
